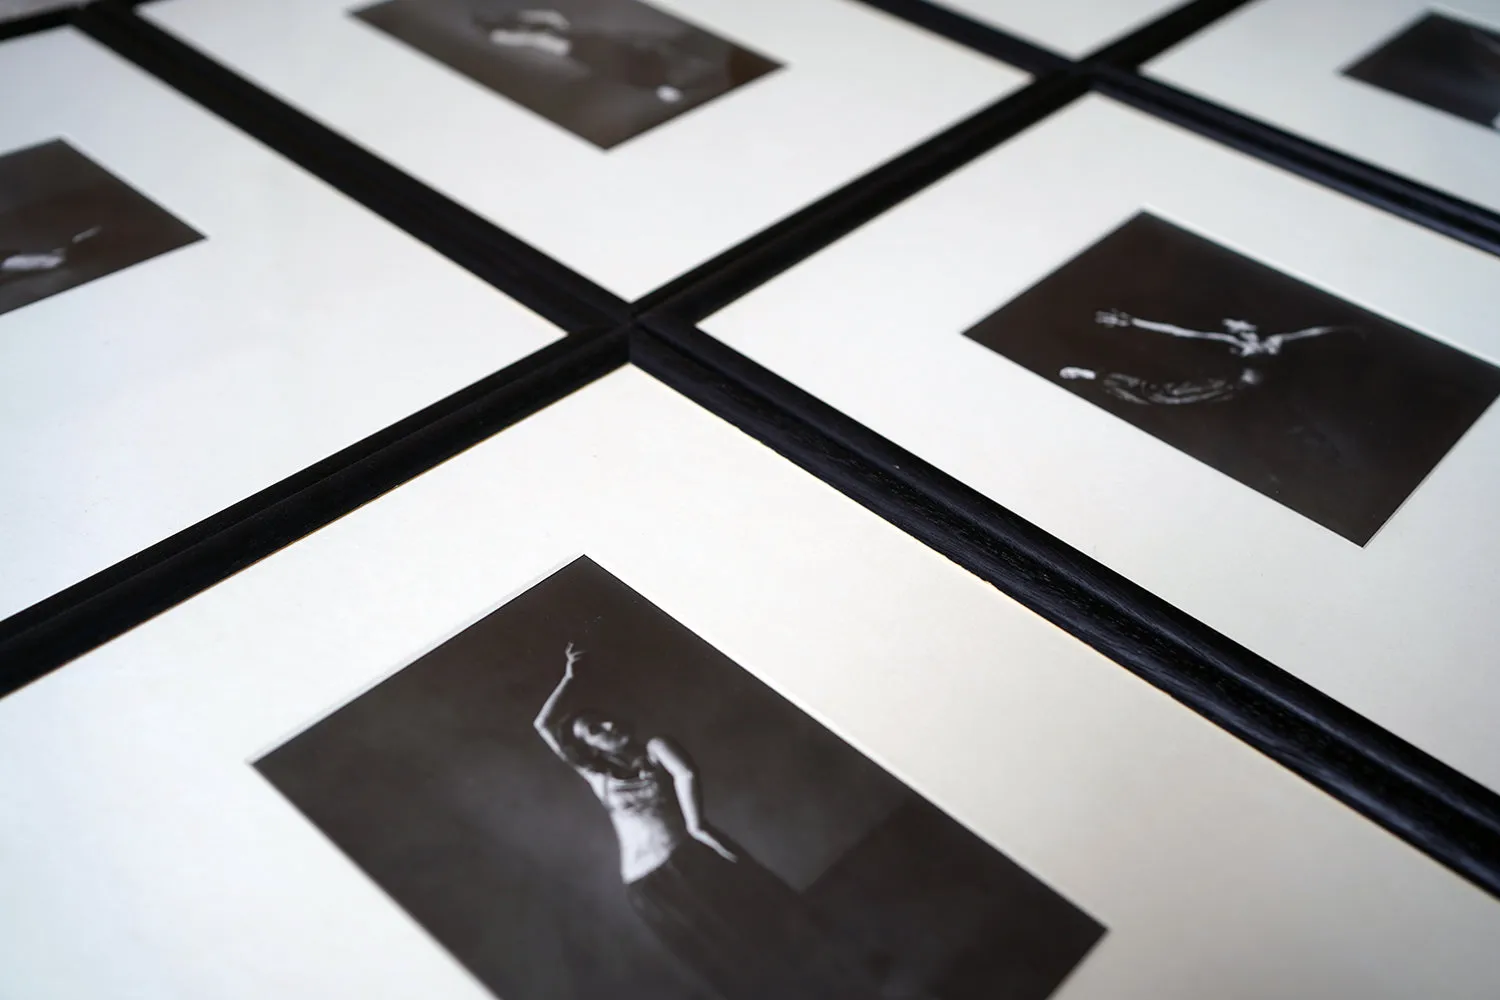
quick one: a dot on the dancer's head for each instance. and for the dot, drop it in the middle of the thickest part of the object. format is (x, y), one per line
(546, 30)
(599, 743)
(602, 734)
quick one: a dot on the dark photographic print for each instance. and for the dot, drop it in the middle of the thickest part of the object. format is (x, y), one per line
(606, 70)
(581, 799)
(1323, 406)
(64, 221)
(1444, 63)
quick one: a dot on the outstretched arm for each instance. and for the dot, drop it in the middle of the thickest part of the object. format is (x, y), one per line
(689, 793)
(1312, 331)
(1116, 318)
(551, 717)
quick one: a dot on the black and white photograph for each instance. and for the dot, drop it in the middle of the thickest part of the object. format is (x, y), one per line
(1442, 62)
(1325, 407)
(580, 798)
(65, 221)
(605, 70)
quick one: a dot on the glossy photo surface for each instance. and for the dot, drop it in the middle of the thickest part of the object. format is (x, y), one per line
(1442, 62)
(65, 221)
(661, 824)
(605, 70)
(1323, 406)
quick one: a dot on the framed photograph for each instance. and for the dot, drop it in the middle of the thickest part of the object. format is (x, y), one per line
(187, 321)
(67, 221)
(605, 70)
(1404, 85)
(1262, 401)
(1340, 419)
(630, 140)
(621, 703)
(813, 874)
(1071, 28)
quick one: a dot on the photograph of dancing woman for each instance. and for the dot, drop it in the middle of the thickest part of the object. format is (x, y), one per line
(580, 798)
(606, 70)
(1318, 404)
(1441, 62)
(740, 928)
(1243, 338)
(65, 221)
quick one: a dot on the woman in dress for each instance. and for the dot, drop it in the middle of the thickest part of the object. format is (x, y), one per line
(744, 932)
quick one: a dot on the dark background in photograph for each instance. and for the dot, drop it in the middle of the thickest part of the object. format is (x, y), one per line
(605, 91)
(50, 194)
(437, 786)
(1444, 63)
(1342, 428)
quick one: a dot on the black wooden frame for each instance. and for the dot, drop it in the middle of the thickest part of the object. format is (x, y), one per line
(1421, 800)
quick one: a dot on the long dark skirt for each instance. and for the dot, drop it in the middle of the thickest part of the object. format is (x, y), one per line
(745, 932)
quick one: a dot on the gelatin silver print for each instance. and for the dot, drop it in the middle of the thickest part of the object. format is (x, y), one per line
(1319, 404)
(606, 70)
(580, 798)
(1442, 62)
(66, 221)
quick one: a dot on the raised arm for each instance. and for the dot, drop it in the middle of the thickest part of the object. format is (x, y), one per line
(689, 793)
(550, 719)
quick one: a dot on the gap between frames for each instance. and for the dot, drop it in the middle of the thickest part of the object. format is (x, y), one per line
(1419, 799)
(1113, 70)
(1128, 51)
(1426, 803)
(523, 273)
(969, 33)
(739, 270)
(1400, 196)
(49, 634)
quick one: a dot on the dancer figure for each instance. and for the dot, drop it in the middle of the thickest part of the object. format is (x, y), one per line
(646, 61)
(1243, 338)
(16, 264)
(746, 933)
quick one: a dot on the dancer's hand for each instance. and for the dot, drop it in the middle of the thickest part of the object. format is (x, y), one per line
(1112, 317)
(704, 837)
(573, 656)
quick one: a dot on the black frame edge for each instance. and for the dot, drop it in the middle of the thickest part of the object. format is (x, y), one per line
(49, 634)
(735, 272)
(550, 289)
(966, 31)
(1419, 799)
(1397, 195)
